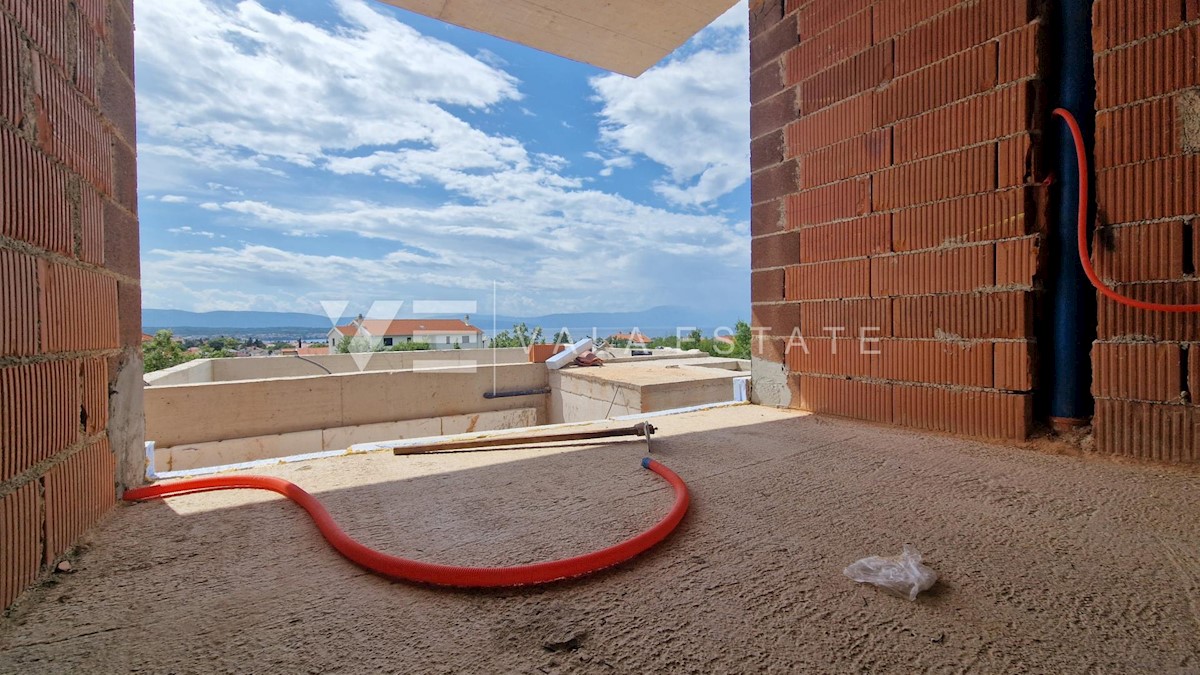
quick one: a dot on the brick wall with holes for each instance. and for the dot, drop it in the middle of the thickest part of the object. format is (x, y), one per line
(1146, 365)
(69, 292)
(896, 210)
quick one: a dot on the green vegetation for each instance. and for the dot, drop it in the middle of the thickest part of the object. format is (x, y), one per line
(521, 336)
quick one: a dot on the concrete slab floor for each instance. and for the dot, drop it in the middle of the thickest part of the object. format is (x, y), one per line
(1047, 563)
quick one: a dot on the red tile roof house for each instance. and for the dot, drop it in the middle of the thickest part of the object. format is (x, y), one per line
(384, 334)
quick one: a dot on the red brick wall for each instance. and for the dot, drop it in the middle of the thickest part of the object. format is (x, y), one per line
(69, 291)
(893, 190)
(1147, 365)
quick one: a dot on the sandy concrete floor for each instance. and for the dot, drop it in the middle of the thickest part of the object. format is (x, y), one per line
(1047, 563)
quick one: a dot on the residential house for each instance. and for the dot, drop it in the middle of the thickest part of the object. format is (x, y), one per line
(384, 334)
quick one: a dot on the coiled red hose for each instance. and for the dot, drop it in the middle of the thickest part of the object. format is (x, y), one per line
(430, 573)
(1084, 258)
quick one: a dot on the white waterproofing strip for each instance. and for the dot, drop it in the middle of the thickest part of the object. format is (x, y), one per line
(361, 448)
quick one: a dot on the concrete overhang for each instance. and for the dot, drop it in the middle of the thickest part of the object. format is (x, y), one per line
(624, 36)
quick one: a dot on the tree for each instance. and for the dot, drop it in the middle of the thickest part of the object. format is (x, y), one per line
(563, 337)
(163, 352)
(520, 336)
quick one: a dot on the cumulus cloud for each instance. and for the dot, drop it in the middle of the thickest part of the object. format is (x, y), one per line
(371, 112)
(690, 114)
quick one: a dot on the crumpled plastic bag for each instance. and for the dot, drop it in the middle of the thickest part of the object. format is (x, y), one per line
(903, 575)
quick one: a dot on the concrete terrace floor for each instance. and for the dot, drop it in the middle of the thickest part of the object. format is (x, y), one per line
(1047, 563)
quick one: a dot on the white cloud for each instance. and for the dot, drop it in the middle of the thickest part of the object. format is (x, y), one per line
(173, 199)
(691, 114)
(186, 229)
(230, 92)
(243, 86)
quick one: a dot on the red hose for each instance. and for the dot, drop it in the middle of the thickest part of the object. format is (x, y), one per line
(1084, 258)
(430, 573)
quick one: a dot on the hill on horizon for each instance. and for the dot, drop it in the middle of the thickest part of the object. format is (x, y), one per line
(662, 320)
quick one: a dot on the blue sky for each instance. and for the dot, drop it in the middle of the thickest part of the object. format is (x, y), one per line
(295, 152)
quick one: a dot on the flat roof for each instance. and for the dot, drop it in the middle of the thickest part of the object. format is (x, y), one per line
(1035, 553)
(624, 36)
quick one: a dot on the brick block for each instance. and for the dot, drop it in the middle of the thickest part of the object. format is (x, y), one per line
(1017, 261)
(40, 415)
(845, 120)
(776, 319)
(1193, 356)
(129, 311)
(1138, 133)
(766, 82)
(1013, 365)
(840, 42)
(93, 378)
(771, 43)
(1148, 431)
(1144, 252)
(892, 17)
(83, 305)
(856, 75)
(116, 96)
(848, 239)
(21, 532)
(1191, 10)
(773, 113)
(842, 357)
(855, 157)
(1119, 22)
(121, 244)
(11, 87)
(766, 218)
(1018, 54)
(46, 24)
(977, 316)
(953, 270)
(1117, 321)
(19, 310)
(766, 150)
(76, 135)
(839, 201)
(124, 175)
(815, 18)
(766, 285)
(819, 281)
(936, 362)
(981, 414)
(974, 121)
(91, 225)
(869, 317)
(1155, 190)
(79, 492)
(33, 197)
(966, 26)
(1139, 371)
(773, 349)
(1015, 161)
(845, 398)
(983, 217)
(119, 37)
(774, 182)
(87, 56)
(775, 250)
(966, 74)
(1148, 69)
(956, 174)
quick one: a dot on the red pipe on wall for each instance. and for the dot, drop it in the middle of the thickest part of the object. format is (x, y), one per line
(1084, 258)
(429, 573)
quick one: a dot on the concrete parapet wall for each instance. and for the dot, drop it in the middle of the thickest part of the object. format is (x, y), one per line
(197, 413)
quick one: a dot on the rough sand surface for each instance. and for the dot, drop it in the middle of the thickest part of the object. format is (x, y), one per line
(1047, 563)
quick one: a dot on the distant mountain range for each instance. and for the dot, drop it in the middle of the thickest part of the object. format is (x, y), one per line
(653, 322)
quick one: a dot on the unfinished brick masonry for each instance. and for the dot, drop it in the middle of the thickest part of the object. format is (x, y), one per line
(1147, 365)
(70, 321)
(893, 148)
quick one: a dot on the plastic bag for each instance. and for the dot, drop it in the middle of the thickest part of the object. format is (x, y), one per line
(903, 575)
